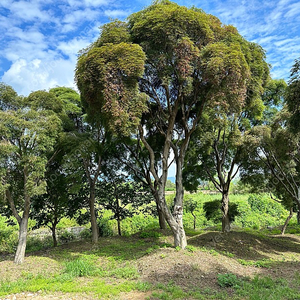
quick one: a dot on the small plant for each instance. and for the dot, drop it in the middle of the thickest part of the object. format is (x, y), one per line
(177, 248)
(228, 280)
(190, 248)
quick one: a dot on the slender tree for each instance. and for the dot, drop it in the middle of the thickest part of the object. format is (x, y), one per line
(26, 135)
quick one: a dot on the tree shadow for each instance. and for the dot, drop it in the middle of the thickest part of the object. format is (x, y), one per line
(247, 245)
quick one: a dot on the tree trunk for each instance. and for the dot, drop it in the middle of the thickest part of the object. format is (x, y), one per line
(225, 210)
(53, 229)
(194, 216)
(175, 222)
(287, 221)
(94, 225)
(179, 233)
(118, 216)
(23, 228)
(161, 218)
(298, 217)
(119, 227)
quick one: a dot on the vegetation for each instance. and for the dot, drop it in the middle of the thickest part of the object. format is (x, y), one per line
(171, 86)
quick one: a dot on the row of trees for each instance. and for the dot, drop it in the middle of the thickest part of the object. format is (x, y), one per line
(172, 85)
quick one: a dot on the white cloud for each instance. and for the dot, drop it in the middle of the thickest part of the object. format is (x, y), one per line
(293, 10)
(117, 13)
(28, 11)
(27, 76)
(72, 47)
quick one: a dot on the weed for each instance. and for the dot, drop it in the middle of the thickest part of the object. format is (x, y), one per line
(226, 253)
(228, 280)
(190, 248)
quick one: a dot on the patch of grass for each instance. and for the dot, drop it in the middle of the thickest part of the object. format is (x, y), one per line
(122, 248)
(228, 254)
(210, 250)
(150, 234)
(152, 249)
(120, 272)
(66, 284)
(80, 267)
(172, 291)
(262, 263)
(268, 288)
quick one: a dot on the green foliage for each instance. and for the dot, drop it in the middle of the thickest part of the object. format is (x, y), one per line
(292, 96)
(262, 263)
(150, 234)
(228, 280)
(66, 236)
(80, 267)
(213, 212)
(37, 243)
(107, 77)
(8, 236)
(9, 98)
(105, 227)
(170, 186)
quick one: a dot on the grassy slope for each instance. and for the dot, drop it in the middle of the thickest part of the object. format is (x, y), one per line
(239, 265)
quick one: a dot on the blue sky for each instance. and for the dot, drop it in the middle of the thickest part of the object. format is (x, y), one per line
(40, 39)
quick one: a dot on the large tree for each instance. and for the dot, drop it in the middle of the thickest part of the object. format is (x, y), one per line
(189, 59)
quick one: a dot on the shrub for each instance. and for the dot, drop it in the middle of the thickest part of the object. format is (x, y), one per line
(228, 280)
(85, 234)
(66, 237)
(8, 236)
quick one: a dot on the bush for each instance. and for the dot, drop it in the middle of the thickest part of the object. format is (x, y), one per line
(138, 223)
(85, 234)
(66, 237)
(213, 211)
(8, 236)
(105, 228)
(36, 243)
(228, 280)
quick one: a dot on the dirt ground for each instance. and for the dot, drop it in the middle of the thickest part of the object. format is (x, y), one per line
(208, 255)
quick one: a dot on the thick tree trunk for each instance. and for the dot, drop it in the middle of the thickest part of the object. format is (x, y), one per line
(225, 211)
(23, 228)
(287, 221)
(94, 225)
(175, 222)
(298, 217)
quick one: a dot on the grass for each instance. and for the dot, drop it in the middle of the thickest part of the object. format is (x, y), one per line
(111, 269)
